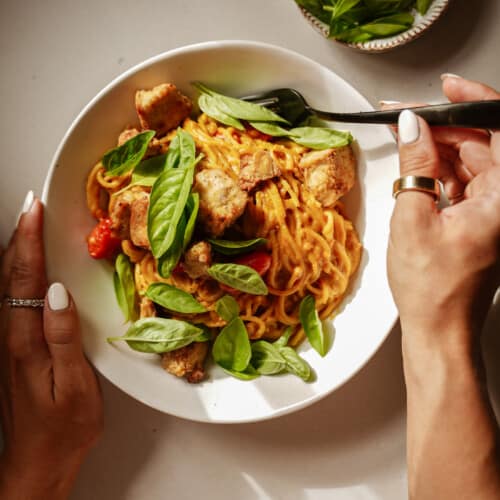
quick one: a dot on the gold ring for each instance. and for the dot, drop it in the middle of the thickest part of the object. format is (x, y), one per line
(426, 185)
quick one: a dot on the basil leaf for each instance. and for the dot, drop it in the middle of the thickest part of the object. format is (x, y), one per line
(383, 29)
(169, 260)
(423, 6)
(237, 108)
(249, 373)
(312, 325)
(270, 129)
(283, 340)
(320, 137)
(166, 206)
(205, 336)
(192, 208)
(266, 358)
(227, 308)
(295, 364)
(240, 277)
(210, 107)
(227, 247)
(124, 285)
(122, 159)
(146, 173)
(157, 335)
(182, 149)
(231, 348)
(174, 299)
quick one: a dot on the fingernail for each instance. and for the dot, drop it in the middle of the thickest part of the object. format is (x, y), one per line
(449, 75)
(388, 103)
(58, 297)
(408, 127)
(28, 203)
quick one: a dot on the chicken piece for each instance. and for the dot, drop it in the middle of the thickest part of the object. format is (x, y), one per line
(257, 167)
(221, 200)
(120, 211)
(197, 260)
(126, 135)
(139, 221)
(147, 308)
(188, 361)
(329, 174)
(162, 108)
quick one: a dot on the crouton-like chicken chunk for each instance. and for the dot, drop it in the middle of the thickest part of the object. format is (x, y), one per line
(197, 260)
(329, 174)
(139, 221)
(147, 308)
(162, 108)
(126, 210)
(255, 168)
(188, 361)
(221, 200)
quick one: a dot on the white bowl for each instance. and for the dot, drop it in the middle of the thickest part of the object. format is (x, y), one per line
(236, 68)
(377, 45)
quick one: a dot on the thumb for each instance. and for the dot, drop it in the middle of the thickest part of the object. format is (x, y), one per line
(418, 156)
(62, 334)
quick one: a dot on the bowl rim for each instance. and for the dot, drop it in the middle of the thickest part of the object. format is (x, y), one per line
(195, 47)
(380, 45)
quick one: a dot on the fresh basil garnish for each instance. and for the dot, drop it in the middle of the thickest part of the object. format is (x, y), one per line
(158, 335)
(320, 137)
(283, 340)
(227, 308)
(192, 208)
(169, 260)
(210, 107)
(166, 206)
(239, 277)
(146, 173)
(249, 373)
(312, 325)
(270, 129)
(227, 247)
(423, 6)
(122, 159)
(295, 364)
(237, 108)
(181, 151)
(174, 299)
(231, 348)
(124, 285)
(266, 358)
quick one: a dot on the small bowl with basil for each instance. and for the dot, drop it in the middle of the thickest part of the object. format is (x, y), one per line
(372, 26)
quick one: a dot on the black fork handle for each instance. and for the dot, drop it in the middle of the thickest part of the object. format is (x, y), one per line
(477, 114)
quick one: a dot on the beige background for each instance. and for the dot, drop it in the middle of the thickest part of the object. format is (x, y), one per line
(54, 57)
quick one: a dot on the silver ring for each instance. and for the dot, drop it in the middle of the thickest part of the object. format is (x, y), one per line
(30, 303)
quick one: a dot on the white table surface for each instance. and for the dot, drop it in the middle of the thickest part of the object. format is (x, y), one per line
(54, 57)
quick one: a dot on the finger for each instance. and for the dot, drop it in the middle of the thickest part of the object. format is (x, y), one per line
(452, 185)
(474, 157)
(27, 280)
(418, 156)
(458, 89)
(62, 334)
(495, 148)
(6, 265)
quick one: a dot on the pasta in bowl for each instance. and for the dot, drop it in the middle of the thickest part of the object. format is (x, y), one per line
(259, 269)
(236, 235)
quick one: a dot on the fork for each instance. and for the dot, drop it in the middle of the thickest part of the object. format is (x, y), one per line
(291, 105)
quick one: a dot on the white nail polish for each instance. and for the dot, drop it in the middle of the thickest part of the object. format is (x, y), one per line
(449, 75)
(28, 203)
(408, 127)
(388, 103)
(58, 297)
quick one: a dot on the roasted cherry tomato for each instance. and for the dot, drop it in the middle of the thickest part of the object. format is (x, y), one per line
(258, 260)
(101, 242)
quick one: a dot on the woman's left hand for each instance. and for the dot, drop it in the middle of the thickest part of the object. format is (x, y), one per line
(50, 401)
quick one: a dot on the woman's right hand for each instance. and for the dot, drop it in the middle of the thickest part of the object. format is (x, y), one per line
(440, 260)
